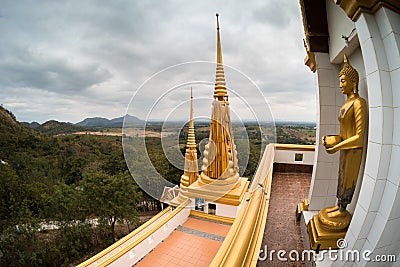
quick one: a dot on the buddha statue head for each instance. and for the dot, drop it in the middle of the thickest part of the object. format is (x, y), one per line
(348, 77)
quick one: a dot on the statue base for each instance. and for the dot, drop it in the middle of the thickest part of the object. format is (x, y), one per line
(334, 220)
(322, 237)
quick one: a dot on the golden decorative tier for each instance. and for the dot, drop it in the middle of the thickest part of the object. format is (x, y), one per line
(221, 184)
(321, 237)
(218, 191)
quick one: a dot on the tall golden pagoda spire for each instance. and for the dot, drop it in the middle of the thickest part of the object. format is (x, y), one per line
(220, 156)
(220, 85)
(219, 181)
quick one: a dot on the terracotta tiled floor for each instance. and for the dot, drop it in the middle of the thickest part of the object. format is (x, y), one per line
(207, 226)
(282, 231)
(182, 249)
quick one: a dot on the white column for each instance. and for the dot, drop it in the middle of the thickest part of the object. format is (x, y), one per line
(329, 99)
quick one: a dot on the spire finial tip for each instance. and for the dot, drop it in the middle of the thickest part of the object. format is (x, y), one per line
(345, 59)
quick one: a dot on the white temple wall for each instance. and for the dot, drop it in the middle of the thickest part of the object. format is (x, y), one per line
(289, 156)
(338, 24)
(227, 210)
(381, 49)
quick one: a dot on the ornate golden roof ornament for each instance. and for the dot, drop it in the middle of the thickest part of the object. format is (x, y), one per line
(350, 72)
(354, 8)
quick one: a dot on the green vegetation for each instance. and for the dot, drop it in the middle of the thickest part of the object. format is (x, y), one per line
(295, 134)
(54, 190)
(63, 195)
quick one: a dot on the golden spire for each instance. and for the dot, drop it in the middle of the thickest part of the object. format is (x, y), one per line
(191, 169)
(191, 142)
(220, 85)
(220, 156)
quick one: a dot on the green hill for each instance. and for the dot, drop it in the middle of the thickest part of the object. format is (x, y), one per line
(98, 122)
(61, 180)
(14, 135)
(54, 127)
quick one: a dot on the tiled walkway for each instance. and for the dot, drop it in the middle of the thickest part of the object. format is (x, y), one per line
(281, 231)
(193, 244)
(207, 226)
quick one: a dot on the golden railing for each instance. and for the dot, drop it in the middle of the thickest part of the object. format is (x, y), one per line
(124, 239)
(294, 147)
(242, 243)
(143, 237)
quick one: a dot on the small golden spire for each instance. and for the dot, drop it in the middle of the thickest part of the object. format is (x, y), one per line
(191, 123)
(191, 142)
(191, 169)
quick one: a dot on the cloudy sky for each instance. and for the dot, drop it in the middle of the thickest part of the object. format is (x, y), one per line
(68, 60)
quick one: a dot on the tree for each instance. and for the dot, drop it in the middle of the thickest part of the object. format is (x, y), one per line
(111, 197)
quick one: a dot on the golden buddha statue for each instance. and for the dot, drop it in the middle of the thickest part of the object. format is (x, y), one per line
(352, 118)
(331, 223)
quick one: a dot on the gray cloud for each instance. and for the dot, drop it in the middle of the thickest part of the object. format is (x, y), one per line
(276, 13)
(40, 71)
(87, 58)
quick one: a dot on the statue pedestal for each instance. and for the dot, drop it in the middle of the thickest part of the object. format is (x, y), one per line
(322, 238)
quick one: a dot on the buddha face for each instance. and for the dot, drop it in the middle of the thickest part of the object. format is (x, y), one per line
(346, 85)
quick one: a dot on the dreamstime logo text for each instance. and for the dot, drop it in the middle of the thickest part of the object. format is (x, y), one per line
(340, 254)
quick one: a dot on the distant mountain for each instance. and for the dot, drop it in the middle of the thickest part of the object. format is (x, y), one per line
(53, 127)
(98, 122)
(94, 122)
(132, 120)
(32, 125)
